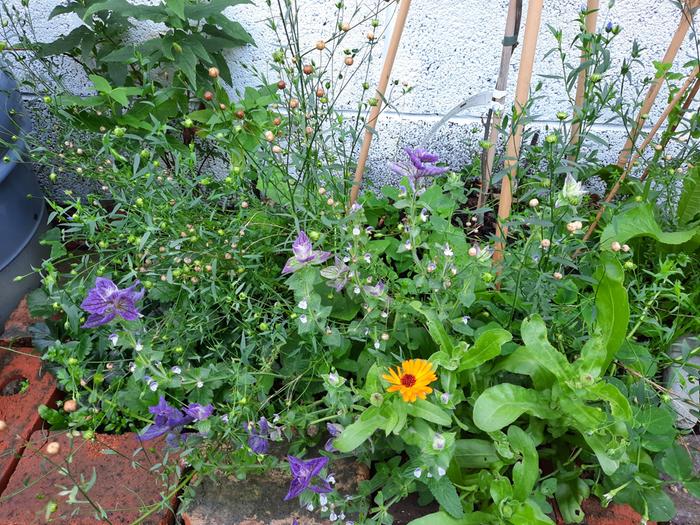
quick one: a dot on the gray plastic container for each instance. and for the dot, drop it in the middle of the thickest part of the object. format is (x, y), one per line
(22, 208)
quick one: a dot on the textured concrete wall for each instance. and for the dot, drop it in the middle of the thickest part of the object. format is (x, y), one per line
(450, 51)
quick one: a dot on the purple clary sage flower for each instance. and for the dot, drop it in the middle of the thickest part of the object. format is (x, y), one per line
(337, 275)
(418, 167)
(105, 301)
(303, 472)
(259, 440)
(169, 420)
(334, 430)
(375, 290)
(304, 254)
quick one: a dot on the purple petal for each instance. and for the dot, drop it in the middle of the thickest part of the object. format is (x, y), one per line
(198, 412)
(324, 488)
(302, 247)
(321, 257)
(95, 320)
(292, 265)
(295, 465)
(399, 169)
(152, 432)
(296, 487)
(328, 447)
(432, 171)
(334, 429)
(98, 299)
(315, 465)
(258, 444)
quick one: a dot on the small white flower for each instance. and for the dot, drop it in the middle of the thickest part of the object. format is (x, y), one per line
(466, 319)
(445, 397)
(114, 339)
(571, 193)
(310, 507)
(418, 472)
(333, 516)
(424, 215)
(448, 251)
(333, 379)
(303, 304)
(407, 245)
(441, 471)
(368, 258)
(346, 259)
(438, 442)
(176, 370)
(356, 290)
(224, 418)
(303, 319)
(331, 479)
(138, 347)
(356, 231)
(341, 516)
(377, 345)
(153, 385)
(324, 508)
(429, 475)
(132, 367)
(200, 383)
(431, 267)
(384, 314)
(322, 499)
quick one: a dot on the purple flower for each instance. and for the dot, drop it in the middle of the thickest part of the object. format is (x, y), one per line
(303, 472)
(198, 412)
(259, 441)
(105, 301)
(338, 274)
(418, 167)
(304, 254)
(169, 420)
(609, 27)
(376, 290)
(334, 430)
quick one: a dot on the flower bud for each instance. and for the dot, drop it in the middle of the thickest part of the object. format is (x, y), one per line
(533, 203)
(71, 405)
(53, 448)
(320, 45)
(558, 276)
(545, 243)
(213, 72)
(615, 246)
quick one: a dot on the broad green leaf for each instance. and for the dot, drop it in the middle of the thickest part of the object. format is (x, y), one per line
(435, 327)
(640, 222)
(354, 435)
(475, 453)
(594, 356)
(214, 7)
(487, 346)
(534, 334)
(502, 404)
(677, 463)
(689, 201)
(526, 472)
(101, 84)
(619, 405)
(529, 513)
(570, 493)
(446, 495)
(612, 306)
(430, 412)
(442, 518)
(178, 7)
(522, 361)
(660, 504)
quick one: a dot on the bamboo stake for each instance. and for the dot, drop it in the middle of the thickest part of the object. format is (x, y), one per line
(669, 57)
(672, 128)
(591, 23)
(650, 136)
(510, 41)
(522, 92)
(381, 92)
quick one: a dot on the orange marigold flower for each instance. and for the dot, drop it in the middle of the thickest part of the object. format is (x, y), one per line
(411, 379)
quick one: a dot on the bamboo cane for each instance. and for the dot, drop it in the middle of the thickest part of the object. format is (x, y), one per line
(591, 23)
(399, 25)
(522, 91)
(672, 127)
(650, 136)
(510, 41)
(669, 57)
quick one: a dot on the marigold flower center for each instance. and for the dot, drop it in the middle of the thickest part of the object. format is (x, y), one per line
(408, 380)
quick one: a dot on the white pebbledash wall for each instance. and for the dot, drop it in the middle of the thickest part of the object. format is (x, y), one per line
(450, 50)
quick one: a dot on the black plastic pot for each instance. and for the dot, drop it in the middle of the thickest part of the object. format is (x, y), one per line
(22, 208)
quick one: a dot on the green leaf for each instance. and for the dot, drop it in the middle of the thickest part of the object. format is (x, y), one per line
(177, 7)
(677, 463)
(570, 493)
(640, 222)
(594, 356)
(101, 84)
(430, 412)
(534, 334)
(525, 472)
(446, 495)
(354, 435)
(619, 405)
(529, 513)
(442, 518)
(214, 7)
(689, 201)
(475, 453)
(660, 505)
(502, 404)
(436, 327)
(612, 305)
(487, 346)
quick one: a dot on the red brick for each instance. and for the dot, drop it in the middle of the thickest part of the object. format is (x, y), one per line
(16, 330)
(19, 410)
(613, 514)
(126, 481)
